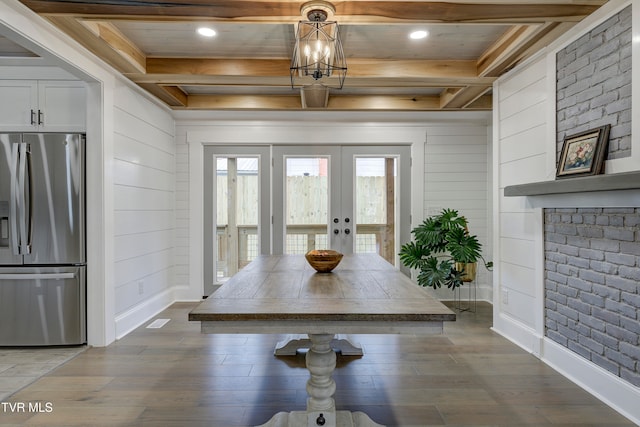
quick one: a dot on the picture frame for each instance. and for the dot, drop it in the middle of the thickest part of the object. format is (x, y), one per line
(583, 154)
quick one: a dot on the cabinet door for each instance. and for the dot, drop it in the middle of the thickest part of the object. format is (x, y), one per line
(62, 106)
(18, 108)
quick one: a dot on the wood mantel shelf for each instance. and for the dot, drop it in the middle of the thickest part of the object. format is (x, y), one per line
(613, 182)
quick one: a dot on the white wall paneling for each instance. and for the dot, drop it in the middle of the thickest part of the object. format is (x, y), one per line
(520, 112)
(457, 176)
(144, 202)
(182, 217)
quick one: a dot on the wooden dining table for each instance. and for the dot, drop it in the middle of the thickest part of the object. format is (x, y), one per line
(283, 294)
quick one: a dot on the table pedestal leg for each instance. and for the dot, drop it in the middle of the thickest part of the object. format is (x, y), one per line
(321, 362)
(321, 408)
(342, 343)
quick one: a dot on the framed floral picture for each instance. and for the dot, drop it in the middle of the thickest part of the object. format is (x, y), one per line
(583, 154)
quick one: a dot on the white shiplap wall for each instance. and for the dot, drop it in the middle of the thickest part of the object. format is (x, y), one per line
(521, 128)
(181, 259)
(144, 214)
(457, 176)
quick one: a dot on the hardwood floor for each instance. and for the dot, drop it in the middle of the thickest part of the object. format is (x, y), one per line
(176, 376)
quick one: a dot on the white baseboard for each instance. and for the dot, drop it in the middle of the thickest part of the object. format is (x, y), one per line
(609, 388)
(444, 294)
(518, 333)
(141, 313)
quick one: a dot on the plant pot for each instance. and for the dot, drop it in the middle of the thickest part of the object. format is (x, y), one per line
(469, 270)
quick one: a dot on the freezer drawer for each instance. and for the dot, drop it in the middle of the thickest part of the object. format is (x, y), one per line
(42, 306)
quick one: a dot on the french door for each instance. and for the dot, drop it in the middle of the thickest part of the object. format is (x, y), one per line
(344, 197)
(348, 198)
(236, 209)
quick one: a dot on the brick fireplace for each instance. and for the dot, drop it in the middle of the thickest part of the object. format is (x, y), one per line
(592, 285)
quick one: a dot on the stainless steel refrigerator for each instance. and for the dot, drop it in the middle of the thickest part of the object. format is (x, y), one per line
(42, 239)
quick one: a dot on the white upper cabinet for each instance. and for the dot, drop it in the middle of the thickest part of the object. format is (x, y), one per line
(42, 105)
(19, 98)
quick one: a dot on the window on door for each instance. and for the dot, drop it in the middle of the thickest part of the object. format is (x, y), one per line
(236, 226)
(307, 204)
(237, 211)
(375, 206)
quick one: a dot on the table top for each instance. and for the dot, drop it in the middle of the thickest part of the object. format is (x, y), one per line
(285, 288)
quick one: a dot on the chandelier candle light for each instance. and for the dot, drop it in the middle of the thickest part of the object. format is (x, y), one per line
(318, 51)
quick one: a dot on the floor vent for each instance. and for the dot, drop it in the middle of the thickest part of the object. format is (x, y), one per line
(158, 323)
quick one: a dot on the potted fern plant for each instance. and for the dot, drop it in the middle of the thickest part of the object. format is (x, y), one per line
(443, 251)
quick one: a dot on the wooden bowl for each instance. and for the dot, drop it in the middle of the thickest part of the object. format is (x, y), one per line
(323, 260)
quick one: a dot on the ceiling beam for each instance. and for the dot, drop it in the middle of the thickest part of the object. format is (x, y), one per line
(117, 41)
(461, 71)
(485, 102)
(243, 102)
(516, 45)
(116, 50)
(346, 11)
(545, 35)
(492, 59)
(450, 69)
(371, 102)
(173, 96)
(293, 102)
(461, 98)
(285, 81)
(224, 67)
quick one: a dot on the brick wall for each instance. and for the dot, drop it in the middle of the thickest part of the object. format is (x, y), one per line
(592, 286)
(594, 84)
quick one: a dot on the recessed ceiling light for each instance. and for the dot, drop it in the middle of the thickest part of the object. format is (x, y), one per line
(416, 35)
(206, 32)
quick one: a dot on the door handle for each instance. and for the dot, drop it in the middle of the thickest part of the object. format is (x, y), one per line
(22, 198)
(4, 228)
(35, 276)
(29, 207)
(13, 201)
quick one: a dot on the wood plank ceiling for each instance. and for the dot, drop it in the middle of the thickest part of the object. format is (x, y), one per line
(246, 66)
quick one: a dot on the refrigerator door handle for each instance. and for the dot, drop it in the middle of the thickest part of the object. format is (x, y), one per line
(35, 276)
(29, 217)
(13, 208)
(22, 198)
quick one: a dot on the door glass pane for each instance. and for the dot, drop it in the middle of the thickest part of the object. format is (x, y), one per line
(306, 204)
(236, 214)
(376, 206)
